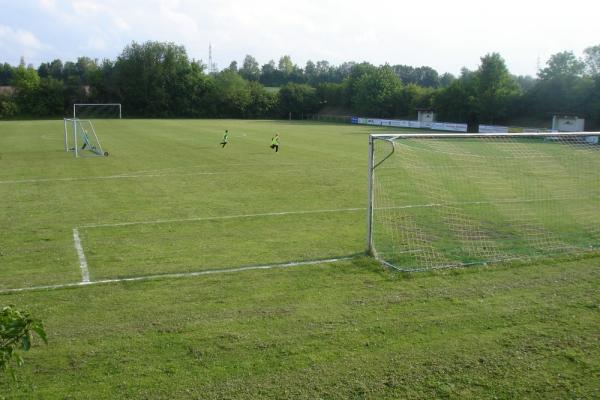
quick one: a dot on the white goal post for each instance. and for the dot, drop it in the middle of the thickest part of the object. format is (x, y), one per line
(81, 138)
(97, 110)
(445, 200)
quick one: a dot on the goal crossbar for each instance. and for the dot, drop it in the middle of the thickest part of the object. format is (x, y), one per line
(394, 136)
(76, 106)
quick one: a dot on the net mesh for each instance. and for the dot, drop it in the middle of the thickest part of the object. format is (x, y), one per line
(97, 111)
(81, 138)
(442, 202)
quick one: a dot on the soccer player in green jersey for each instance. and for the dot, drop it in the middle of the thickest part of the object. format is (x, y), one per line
(225, 138)
(275, 142)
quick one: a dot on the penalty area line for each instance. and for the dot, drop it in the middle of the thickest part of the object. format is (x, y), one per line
(272, 214)
(177, 275)
(85, 273)
(151, 175)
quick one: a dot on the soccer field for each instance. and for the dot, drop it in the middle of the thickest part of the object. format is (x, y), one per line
(170, 205)
(169, 199)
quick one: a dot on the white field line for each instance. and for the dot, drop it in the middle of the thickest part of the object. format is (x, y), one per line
(470, 203)
(334, 210)
(156, 175)
(85, 273)
(45, 137)
(256, 164)
(177, 275)
(272, 214)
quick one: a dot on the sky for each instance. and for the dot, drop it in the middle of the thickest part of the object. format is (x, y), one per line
(444, 34)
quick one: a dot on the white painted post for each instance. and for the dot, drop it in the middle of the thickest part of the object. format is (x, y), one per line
(66, 136)
(75, 138)
(370, 198)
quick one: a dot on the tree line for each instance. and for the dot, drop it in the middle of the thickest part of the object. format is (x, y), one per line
(156, 79)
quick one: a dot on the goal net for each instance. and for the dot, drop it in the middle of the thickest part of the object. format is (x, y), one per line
(444, 200)
(81, 138)
(97, 111)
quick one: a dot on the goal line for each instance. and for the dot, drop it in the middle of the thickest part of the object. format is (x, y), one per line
(178, 275)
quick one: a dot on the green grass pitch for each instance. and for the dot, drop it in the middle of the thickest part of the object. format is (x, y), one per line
(170, 200)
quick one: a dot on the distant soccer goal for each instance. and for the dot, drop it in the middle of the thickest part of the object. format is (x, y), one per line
(81, 138)
(97, 111)
(445, 200)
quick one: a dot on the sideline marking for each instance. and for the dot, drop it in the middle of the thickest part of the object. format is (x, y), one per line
(85, 273)
(176, 275)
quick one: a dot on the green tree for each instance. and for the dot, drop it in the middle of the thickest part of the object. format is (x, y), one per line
(270, 75)
(233, 95)
(592, 60)
(446, 79)
(412, 97)
(324, 73)
(374, 91)
(563, 64)
(51, 98)
(310, 71)
(250, 69)
(427, 77)
(26, 82)
(350, 82)
(16, 333)
(561, 87)
(151, 79)
(233, 66)
(299, 99)
(331, 95)
(496, 89)
(25, 78)
(6, 74)
(262, 102)
(592, 104)
(289, 72)
(53, 69)
(199, 92)
(422, 76)
(8, 107)
(286, 66)
(458, 101)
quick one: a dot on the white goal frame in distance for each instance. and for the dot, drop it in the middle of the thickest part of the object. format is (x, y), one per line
(96, 104)
(75, 149)
(393, 137)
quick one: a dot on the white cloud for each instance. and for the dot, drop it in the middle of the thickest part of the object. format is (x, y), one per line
(16, 43)
(47, 4)
(96, 43)
(87, 7)
(20, 38)
(121, 24)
